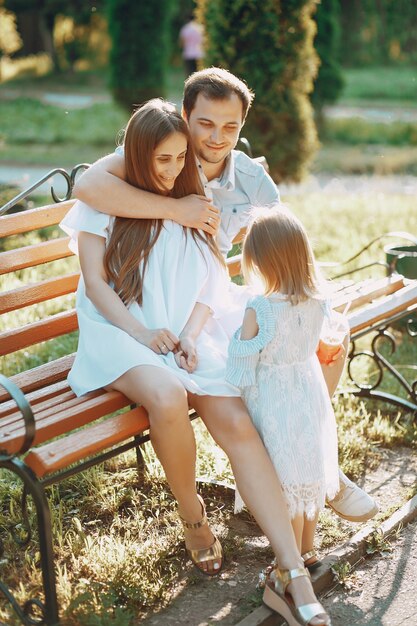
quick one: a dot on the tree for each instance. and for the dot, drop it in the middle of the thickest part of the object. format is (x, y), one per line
(329, 82)
(270, 45)
(36, 21)
(140, 33)
(378, 32)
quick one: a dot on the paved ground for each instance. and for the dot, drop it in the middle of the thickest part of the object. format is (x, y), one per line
(383, 590)
(24, 176)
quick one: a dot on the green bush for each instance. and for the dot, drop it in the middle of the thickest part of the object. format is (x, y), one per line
(139, 57)
(270, 45)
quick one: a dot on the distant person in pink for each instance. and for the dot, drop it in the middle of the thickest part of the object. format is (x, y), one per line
(191, 40)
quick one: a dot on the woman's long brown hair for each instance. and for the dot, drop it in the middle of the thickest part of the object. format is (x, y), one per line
(132, 240)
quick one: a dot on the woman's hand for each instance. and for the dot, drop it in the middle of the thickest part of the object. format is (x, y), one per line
(160, 340)
(186, 356)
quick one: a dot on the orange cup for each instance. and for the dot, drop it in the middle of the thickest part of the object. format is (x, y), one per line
(333, 332)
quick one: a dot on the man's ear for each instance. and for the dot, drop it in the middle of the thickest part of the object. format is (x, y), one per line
(183, 114)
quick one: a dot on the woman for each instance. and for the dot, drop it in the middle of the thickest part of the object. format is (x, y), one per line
(148, 307)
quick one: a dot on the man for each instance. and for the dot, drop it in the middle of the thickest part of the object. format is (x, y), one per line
(215, 106)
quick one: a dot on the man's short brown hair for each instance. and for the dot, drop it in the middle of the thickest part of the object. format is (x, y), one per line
(215, 83)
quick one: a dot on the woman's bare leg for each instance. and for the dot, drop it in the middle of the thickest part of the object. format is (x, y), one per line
(172, 437)
(230, 425)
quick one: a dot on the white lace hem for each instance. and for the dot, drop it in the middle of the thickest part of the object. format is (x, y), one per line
(308, 499)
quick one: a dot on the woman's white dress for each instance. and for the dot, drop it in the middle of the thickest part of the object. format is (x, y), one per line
(286, 395)
(179, 274)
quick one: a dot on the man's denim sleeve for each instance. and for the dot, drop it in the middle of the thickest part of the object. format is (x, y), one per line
(268, 192)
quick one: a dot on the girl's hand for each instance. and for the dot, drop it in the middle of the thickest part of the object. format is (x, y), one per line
(186, 356)
(329, 359)
(160, 340)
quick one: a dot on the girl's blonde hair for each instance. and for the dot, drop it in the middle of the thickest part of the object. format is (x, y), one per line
(132, 239)
(277, 250)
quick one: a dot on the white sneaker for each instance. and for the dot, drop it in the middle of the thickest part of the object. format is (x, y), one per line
(352, 503)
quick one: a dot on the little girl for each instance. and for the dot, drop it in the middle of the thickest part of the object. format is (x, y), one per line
(272, 358)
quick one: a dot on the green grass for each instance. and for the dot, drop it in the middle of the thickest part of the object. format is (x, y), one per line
(341, 223)
(48, 125)
(396, 84)
(33, 133)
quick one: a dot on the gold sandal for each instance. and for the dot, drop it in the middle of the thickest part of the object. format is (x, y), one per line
(307, 556)
(214, 552)
(276, 598)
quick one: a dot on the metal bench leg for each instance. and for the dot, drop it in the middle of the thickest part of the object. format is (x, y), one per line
(140, 461)
(34, 609)
(382, 364)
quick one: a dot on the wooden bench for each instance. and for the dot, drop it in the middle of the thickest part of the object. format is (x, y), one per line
(40, 416)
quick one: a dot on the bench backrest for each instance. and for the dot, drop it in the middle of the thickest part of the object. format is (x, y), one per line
(20, 255)
(25, 248)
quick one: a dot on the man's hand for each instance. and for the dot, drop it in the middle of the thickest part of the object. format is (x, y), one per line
(197, 212)
(160, 340)
(186, 356)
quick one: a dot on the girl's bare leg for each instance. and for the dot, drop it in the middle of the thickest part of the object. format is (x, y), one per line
(307, 540)
(172, 437)
(230, 425)
(297, 524)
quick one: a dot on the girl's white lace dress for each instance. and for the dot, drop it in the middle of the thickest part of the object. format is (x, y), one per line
(285, 392)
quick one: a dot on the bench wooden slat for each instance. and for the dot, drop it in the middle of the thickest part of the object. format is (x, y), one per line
(59, 454)
(240, 236)
(40, 217)
(88, 409)
(367, 291)
(39, 292)
(59, 406)
(31, 334)
(49, 416)
(30, 256)
(12, 419)
(36, 397)
(377, 311)
(233, 265)
(41, 376)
